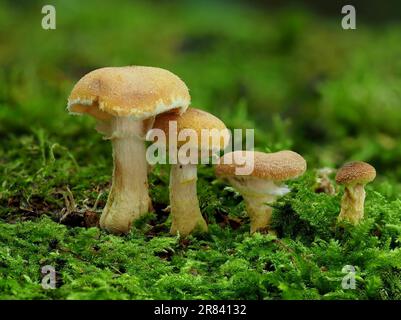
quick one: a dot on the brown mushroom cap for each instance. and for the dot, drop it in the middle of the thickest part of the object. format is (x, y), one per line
(196, 120)
(138, 92)
(278, 166)
(357, 172)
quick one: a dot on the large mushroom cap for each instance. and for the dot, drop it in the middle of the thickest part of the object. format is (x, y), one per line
(278, 166)
(357, 172)
(138, 92)
(196, 120)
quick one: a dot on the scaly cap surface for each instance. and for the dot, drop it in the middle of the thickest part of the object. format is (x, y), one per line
(135, 91)
(357, 172)
(277, 166)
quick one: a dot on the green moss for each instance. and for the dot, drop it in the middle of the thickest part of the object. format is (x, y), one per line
(304, 263)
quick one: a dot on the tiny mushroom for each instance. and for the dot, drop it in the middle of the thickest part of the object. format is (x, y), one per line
(354, 176)
(265, 183)
(125, 101)
(210, 135)
(323, 182)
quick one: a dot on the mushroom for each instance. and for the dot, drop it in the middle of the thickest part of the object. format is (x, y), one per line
(323, 182)
(124, 101)
(354, 176)
(264, 185)
(184, 204)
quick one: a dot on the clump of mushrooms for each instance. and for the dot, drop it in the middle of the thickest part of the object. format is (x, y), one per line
(354, 176)
(124, 101)
(209, 135)
(264, 185)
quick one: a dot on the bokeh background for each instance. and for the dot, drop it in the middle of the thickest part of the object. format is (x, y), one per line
(286, 68)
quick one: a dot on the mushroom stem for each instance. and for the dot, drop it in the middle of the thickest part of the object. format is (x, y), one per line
(184, 203)
(259, 211)
(352, 204)
(257, 195)
(128, 198)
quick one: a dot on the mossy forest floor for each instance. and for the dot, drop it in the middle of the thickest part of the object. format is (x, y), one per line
(301, 81)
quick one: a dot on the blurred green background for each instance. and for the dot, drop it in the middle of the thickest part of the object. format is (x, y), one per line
(290, 70)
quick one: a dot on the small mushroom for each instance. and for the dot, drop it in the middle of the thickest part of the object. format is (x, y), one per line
(184, 203)
(354, 176)
(264, 185)
(125, 100)
(323, 182)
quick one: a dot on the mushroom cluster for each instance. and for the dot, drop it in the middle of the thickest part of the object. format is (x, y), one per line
(130, 102)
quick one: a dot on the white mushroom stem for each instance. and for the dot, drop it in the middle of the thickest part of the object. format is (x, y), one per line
(128, 198)
(259, 211)
(185, 212)
(258, 194)
(352, 204)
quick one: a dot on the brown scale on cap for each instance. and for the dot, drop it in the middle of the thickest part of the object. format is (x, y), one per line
(139, 92)
(356, 172)
(278, 166)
